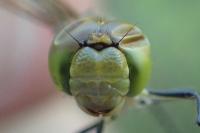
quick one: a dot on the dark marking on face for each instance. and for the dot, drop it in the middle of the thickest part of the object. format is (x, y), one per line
(100, 46)
(98, 112)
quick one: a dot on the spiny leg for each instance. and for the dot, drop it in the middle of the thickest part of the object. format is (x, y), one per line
(99, 127)
(179, 93)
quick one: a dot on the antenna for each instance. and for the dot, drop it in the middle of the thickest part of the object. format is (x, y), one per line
(124, 36)
(79, 43)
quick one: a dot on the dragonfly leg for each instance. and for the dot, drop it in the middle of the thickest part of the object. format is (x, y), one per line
(98, 126)
(179, 93)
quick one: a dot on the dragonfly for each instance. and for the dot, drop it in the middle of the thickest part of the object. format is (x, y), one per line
(103, 63)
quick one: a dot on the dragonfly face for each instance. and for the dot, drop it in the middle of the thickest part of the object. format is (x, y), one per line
(100, 63)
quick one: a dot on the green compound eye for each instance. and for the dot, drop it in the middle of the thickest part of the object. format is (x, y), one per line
(100, 63)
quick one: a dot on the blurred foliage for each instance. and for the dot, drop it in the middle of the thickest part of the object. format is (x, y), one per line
(172, 27)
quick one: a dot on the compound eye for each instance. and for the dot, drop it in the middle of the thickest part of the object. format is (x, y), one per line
(120, 31)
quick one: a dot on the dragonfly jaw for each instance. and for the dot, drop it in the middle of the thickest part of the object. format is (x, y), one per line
(101, 105)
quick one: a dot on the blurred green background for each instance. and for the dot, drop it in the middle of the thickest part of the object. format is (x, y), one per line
(173, 28)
